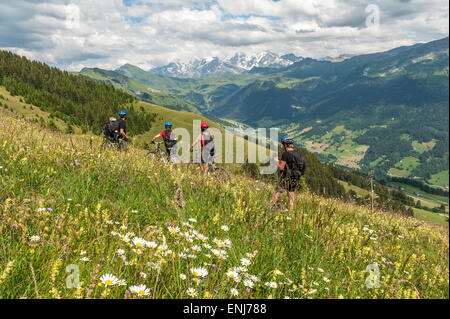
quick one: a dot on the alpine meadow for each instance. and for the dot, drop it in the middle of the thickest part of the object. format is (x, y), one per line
(137, 140)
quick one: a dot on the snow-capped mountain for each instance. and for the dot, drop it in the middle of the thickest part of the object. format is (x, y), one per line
(213, 67)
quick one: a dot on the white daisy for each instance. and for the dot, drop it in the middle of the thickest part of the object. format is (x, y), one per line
(139, 242)
(225, 228)
(232, 274)
(109, 280)
(140, 290)
(234, 292)
(35, 238)
(191, 292)
(173, 230)
(245, 262)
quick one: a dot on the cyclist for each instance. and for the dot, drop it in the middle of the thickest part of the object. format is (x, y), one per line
(169, 138)
(292, 167)
(109, 131)
(122, 129)
(208, 148)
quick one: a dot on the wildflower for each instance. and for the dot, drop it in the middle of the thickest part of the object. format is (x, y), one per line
(277, 272)
(151, 244)
(199, 272)
(326, 279)
(143, 275)
(271, 284)
(234, 292)
(196, 248)
(225, 228)
(174, 230)
(122, 282)
(153, 265)
(248, 283)
(83, 252)
(141, 290)
(245, 262)
(84, 259)
(121, 252)
(109, 280)
(35, 238)
(197, 281)
(249, 255)
(139, 242)
(192, 220)
(232, 274)
(182, 276)
(191, 292)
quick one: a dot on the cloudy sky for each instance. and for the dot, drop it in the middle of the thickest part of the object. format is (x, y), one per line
(72, 34)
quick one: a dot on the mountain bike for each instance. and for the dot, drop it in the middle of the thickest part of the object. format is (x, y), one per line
(220, 174)
(158, 154)
(112, 143)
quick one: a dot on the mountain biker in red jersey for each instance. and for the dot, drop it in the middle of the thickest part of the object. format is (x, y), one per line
(208, 148)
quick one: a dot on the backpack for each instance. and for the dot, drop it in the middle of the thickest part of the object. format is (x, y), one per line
(299, 167)
(169, 139)
(208, 143)
(114, 130)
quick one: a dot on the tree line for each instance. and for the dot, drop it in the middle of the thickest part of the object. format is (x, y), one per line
(71, 98)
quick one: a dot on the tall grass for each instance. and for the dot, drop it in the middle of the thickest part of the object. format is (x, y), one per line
(92, 209)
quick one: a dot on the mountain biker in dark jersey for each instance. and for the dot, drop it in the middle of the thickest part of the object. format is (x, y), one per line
(169, 138)
(291, 166)
(108, 130)
(208, 148)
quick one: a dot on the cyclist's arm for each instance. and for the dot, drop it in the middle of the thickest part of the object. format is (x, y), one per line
(281, 165)
(199, 138)
(122, 132)
(156, 137)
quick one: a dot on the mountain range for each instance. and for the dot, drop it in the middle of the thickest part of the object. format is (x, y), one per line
(214, 67)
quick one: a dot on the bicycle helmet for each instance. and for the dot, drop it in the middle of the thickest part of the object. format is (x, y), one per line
(287, 140)
(168, 124)
(123, 113)
(204, 125)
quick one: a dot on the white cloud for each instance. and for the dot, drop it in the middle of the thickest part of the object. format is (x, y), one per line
(151, 33)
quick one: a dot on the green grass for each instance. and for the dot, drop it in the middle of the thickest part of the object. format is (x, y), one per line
(423, 147)
(440, 179)
(431, 197)
(408, 163)
(399, 172)
(320, 250)
(430, 217)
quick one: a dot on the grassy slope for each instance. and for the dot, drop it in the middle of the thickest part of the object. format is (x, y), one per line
(180, 119)
(321, 250)
(418, 213)
(183, 120)
(27, 111)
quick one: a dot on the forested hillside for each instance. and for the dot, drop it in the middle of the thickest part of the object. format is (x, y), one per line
(72, 98)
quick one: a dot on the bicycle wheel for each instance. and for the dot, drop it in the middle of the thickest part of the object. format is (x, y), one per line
(220, 174)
